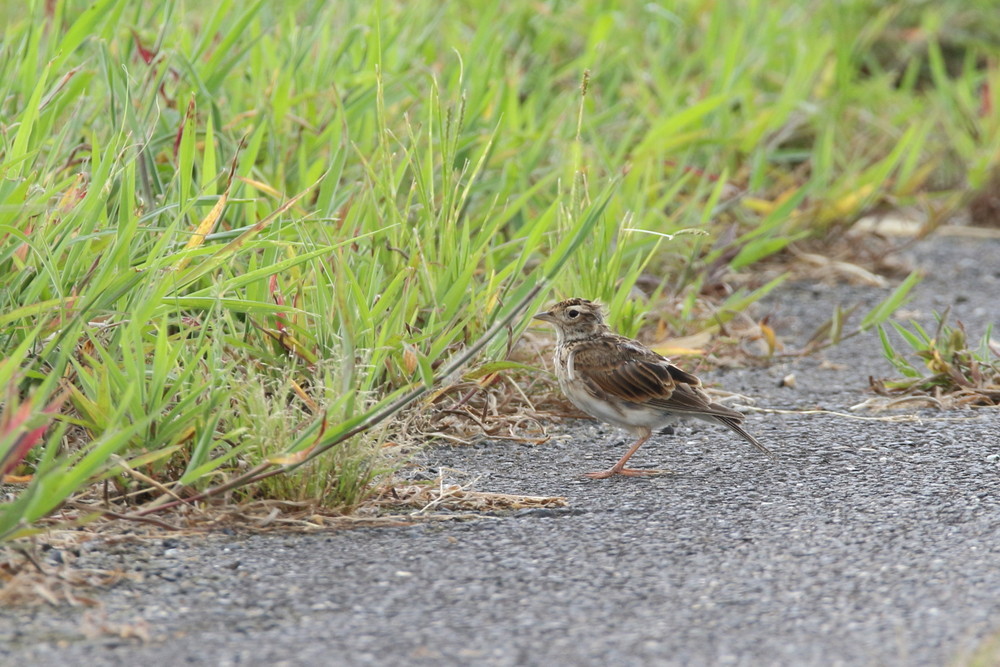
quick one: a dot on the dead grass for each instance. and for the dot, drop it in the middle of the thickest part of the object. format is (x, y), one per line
(864, 254)
(438, 496)
(28, 581)
(941, 365)
(942, 398)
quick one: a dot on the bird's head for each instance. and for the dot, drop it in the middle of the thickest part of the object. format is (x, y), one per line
(575, 319)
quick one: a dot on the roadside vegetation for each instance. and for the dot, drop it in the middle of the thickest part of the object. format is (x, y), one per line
(942, 365)
(238, 239)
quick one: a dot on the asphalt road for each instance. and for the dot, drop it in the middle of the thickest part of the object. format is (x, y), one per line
(865, 542)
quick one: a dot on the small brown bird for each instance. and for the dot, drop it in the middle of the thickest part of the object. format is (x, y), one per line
(621, 381)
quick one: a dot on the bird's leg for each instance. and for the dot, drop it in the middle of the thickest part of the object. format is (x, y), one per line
(620, 469)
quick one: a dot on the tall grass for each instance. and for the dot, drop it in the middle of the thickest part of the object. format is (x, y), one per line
(226, 229)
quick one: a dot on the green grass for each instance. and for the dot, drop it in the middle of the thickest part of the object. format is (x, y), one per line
(231, 236)
(950, 365)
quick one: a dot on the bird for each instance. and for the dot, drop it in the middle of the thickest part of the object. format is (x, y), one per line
(620, 381)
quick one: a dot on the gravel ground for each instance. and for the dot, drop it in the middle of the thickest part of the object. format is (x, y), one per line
(866, 542)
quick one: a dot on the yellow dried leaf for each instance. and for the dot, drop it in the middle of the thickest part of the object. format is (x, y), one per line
(263, 187)
(762, 206)
(684, 345)
(847, 204)
(671, 351)
(16, 479)
(291, 459)
(770, 337)
(409, 359)
(72, 195)
(310, 403)
(208, 222)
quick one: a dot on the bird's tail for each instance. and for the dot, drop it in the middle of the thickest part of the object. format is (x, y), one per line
(734, 424)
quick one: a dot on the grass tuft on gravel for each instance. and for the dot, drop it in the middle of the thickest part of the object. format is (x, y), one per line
(950, 369)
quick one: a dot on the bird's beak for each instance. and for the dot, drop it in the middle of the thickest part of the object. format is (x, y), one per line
(545, 316)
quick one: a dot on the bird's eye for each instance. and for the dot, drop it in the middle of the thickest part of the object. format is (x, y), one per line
(572, 313)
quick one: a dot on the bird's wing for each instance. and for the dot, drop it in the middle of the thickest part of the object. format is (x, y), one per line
(623, 368)
(631, 371)
(693, 399)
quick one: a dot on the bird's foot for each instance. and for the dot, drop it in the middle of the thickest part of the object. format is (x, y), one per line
(648, 472)
(604, 474)
(627, 472)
